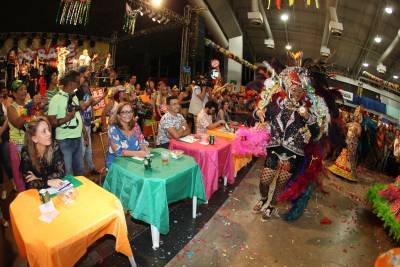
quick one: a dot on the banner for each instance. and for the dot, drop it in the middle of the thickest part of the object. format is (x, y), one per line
(47, 53)
(97, 93)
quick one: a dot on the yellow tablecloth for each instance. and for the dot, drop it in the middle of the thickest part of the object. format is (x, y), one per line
(64, 241)
(239, 161)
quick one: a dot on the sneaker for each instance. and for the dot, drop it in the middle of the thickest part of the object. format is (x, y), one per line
(4, 194)
(267, 213)
(258, 206)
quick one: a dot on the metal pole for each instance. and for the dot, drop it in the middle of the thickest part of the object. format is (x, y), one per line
(183, 77)
(113, 49)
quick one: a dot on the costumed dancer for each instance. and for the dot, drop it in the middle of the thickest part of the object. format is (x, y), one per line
(108, 62)
(345, 165)
(84, 59)
(291, 126)
(298, 115)
(62, 53)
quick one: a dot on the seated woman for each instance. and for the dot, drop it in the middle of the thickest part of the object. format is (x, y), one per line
(223, 113)
(125, 137)
(42, 162)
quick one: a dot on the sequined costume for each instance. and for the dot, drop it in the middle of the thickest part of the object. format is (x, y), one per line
(346, 164)
(291, 131)
(297, 106)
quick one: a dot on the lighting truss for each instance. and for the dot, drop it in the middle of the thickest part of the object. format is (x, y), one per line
(169, 15)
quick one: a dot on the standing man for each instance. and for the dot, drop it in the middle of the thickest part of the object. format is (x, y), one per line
(199, 99)
(65, 117)
(172, 124)
(131, 86)
(86, 103)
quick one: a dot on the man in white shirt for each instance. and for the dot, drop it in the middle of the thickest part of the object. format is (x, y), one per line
(204, 118)
(199, 99)
(172, 124)
(84, 59)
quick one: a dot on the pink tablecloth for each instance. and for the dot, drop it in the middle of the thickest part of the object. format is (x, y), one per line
(214, 161)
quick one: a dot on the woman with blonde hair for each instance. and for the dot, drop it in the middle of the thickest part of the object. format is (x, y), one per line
(125, 136)
(42, 162)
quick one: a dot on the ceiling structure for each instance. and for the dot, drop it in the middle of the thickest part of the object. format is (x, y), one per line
(362, 21)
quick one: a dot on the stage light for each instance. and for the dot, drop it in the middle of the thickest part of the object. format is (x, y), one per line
(378, 39)
(284, 17)
(288, 47)
(166, 21)
(388, 10)
(153, 19)
(156, 3)
(365, 64)
(395, 77)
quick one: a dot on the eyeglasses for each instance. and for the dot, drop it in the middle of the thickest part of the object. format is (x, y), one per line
(126, 112)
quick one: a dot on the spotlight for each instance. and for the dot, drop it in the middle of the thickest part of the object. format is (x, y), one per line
(288, 47)
(156, 3)
(365, 64)
(161, 20)
(284, 17)
(395, 77)
(378, 39)
(388, 10)
(166, 21)
(153, 19)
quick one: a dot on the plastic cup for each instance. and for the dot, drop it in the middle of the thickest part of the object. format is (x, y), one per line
(165, 157)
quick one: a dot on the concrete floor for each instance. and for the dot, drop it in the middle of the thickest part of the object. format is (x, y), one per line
(237, 237)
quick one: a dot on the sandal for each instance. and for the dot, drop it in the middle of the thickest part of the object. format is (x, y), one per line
(258, 206)
(267, 213)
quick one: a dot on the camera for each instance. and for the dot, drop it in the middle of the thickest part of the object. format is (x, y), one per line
(71, 106)
(203, 81)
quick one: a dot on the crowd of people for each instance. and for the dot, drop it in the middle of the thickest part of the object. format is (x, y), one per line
(47, 136)
(370, 143)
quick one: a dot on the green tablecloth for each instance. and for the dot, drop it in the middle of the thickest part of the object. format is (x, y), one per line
(147, 193)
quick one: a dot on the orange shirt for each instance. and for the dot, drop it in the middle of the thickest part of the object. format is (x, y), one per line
(145, 98)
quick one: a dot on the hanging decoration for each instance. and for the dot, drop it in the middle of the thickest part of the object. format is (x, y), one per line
(389, 85)
(229, 54)
(130, 19)
(278, 3)
(73, 12)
